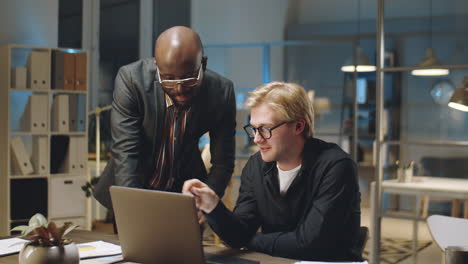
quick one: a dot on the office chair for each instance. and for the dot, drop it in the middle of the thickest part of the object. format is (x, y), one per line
(363, 236)
(451, 235)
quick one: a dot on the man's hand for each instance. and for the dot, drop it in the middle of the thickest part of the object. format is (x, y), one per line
(205, 198)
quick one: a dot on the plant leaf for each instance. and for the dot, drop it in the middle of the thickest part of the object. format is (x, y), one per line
(37, 220)
(43, 233)
(28, 231)
(61, 230)
(52, 227)
(69, 229)
(19, 228)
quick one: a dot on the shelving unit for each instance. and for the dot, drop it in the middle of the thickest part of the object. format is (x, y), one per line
(382, 144)
(56, 194)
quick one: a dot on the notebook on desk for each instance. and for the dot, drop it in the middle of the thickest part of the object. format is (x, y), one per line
(160, 227)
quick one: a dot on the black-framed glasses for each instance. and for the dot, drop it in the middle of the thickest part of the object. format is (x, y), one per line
(187, 82)
(264, 131)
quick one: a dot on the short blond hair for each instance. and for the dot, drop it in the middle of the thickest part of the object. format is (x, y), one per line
(288, 100)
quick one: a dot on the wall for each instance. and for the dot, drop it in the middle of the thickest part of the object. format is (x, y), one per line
(29, 22)
(310, 11)
(221, 22)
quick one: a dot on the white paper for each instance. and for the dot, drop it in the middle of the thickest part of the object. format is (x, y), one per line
(102, 260)
(11, 245)
(325, 262)
(98, 249)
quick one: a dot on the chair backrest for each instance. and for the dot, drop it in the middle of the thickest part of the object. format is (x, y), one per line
(448, 231)
(363, 236)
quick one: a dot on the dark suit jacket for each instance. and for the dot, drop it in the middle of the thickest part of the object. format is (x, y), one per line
(137, 118)
(317, 219)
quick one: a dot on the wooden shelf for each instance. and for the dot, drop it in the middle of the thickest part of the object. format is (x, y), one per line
(57, 133)
(24, 177)
(68, 91)
(29, 90)
(53, 189)
(22, 133)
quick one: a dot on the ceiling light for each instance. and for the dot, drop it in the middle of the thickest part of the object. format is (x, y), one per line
(432, 64)
(459, 98)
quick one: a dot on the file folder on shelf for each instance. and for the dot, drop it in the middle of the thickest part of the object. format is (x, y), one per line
(21, 164)
(60, 115)
(81, 113)
(34, 118)
(70, 163)
(38, 70)
(63, 70)
(73, 104)
(80, 71)
(40, 155)
(81, 155)
(18, 78)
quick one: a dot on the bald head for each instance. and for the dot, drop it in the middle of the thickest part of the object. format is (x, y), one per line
(179, 55)
(178, 47)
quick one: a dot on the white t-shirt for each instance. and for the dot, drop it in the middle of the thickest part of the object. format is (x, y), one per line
(285, 178)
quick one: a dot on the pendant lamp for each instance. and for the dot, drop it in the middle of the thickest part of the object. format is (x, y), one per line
(432, 64)
(363, 63)
(459, 98)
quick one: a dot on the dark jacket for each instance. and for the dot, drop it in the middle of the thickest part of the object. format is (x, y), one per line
(317, 219)
(137, 117)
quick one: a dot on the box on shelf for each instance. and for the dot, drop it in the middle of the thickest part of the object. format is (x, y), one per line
(18, 78)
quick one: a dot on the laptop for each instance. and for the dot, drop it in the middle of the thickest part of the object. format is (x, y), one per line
(160, 227)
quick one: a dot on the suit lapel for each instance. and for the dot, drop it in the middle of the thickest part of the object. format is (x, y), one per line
(160, 108)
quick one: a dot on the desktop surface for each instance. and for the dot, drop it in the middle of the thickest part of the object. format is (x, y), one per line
(81, 236)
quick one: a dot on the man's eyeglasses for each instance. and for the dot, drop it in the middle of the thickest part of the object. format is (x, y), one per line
(187, 82)
(265, 132)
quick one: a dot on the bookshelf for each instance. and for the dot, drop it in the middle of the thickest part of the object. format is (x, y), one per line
(43, 134)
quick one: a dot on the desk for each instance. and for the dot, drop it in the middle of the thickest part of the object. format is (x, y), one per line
(421, 185)
(80, 236)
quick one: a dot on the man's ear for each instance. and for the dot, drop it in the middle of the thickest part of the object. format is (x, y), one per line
(300, 126)
(204, 62)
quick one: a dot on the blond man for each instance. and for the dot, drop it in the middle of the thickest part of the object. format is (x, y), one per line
(301, 191)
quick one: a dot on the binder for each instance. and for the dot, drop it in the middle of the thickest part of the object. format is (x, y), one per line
(40, 155)
(60, 115)
(64, 70)
(80, 71)
(81, 113)
(70, 164)
(38, 74)
(73, 109)
(81, 155)
(18, 78)
(21, 164)
(34, 118)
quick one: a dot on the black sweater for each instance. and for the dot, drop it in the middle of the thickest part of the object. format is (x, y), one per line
(317, 219)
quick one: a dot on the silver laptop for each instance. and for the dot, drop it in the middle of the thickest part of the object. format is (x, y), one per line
(157, 227)
(160, 227)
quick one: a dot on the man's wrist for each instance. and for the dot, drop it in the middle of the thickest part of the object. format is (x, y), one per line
(214, 205)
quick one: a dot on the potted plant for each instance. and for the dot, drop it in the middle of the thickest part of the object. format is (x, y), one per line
(47, 243)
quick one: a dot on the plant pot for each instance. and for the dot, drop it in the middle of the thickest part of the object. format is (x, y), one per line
(67, 254)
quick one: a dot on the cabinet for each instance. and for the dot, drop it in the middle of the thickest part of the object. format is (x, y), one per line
(43, 134)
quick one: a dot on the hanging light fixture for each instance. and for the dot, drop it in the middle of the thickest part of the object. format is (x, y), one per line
(459, 98)
(430, 62)
(363, 63)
